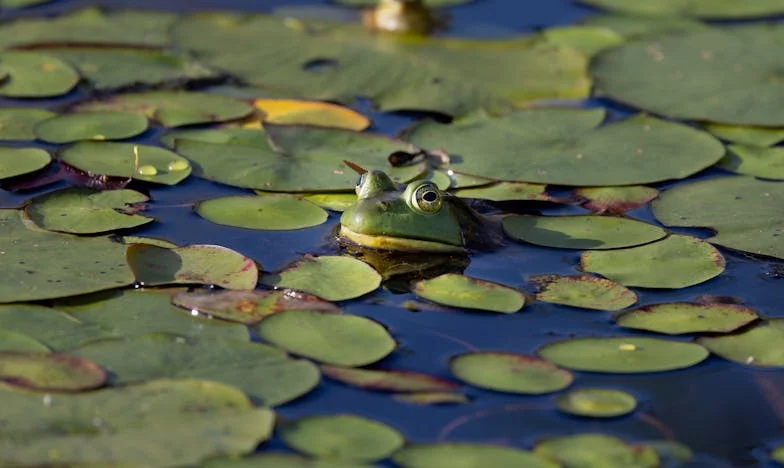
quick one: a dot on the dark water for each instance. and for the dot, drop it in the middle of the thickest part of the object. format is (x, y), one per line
(726, 413)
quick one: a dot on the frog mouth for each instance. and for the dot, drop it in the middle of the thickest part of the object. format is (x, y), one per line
(397, 243)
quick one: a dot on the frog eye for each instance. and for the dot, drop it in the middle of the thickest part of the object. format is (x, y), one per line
(427, 198)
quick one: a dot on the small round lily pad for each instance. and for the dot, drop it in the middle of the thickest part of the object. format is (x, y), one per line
(319, 114)
(596, 450)
(685, 317)
(766, 163)
(278, 212)
(341, 436)
(334, 278)
(91, 126)
(467, 455)
(596, 402)
(17, 123)
(470, 293)
(620, 355)
(388, 380)
(511, 373)
(19, 161)
(760, 346)
(342, 340)
(52, 372)
(34, 75)
(585, 291)
(616, 199)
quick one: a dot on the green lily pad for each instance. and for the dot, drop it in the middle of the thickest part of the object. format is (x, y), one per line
(34, 75)
(43, 265)
(623, 354)
(19, 161)
(700, 8)
(50, 372)
(430, 3)
(332, 201)
(264, 212)
(148, 240)
(746, 213)
(683, 317)
(341, 436)
(671, 453)
(675, 262)
(192, 264)
(616, 199)
(174, 108)
(172, 422)
(581, 232)
(506, 191)
(21, 3)
(225, 135)
(747, 135)
(52, 328)
(631, 26)
(470, 293)
(587, 39)
(432, 398)
(249, 307)
(511, 373)
(594, 451)
(19, 342)
(334, 278)
(117, 159)
(342, 340)
(676, 75)
(17, 123)
(388, 380)
(596, 402)
(584, 291)
(760, 346)
(767, 163)
(86, 211)
(279, 460)
(465, 455)
(261, 371)
(568, 147)
(91, 126)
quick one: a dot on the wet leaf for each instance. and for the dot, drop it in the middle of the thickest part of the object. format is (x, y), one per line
(342, 437)
(684, 317)
(616, 199)
(34, 75)
(334, 278)
(767, 163)
(320, 114)
(18, 161)
(581, 232)
(261, 371)
(568, 147)
(331, 201)
(50, 372)
(279, 460)
(432, 398)
(746, 213)
(506, 191)
(227, 135)
(49, 327)
(699, 8)
(747, 135)
(620, 355)
(466, 455)
(91, 126)
(17, 123)
(596, 402)
(511, 373)
(759, 346)
(584, 291)
(594, 451)
(470, 293)
(192, 264)
(19, 342)
(587, 39)
(388, 380)
(342, 340)
(631, 26)
(675, 262)
(265, 212)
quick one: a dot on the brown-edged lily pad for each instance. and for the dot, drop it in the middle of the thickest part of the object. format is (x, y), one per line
(684, 317)
(334, 278)
(584, 291)
(616, 199)
(470, 293)
(510, 373)
(50, 372)
(389, 380)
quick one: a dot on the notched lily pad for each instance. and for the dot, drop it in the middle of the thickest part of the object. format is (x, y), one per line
(466, 455)
(760, 346)
(388, 380)
(19, 161)
(91, 126)
(17, 123)
(275, 212)
(616, 199)
(596, 402)
(766, 163)
(34, 75)
(470, 293)
(511, 373)
(319, 114)
(334, 278)
(595, 450)
(587, 292)
(50, 372)
(684, 317)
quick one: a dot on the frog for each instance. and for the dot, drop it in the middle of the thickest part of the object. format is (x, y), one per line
(403, 17)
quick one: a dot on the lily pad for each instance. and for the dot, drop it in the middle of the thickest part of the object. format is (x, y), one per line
(584, 291)
(670, 452)
(261, 371)
(147, 240)
(86, 211)
(676, 75)
(341, 436)
(747, 135)
(568, 147)
(746, 213)
(596, 450)
(43, 265)
(342, 340)
(249, 307)
(470, 293)
(767, 163)
(227, 135)
(19, 342)
(50, 372)
(91, 126)
(21, 3)
(631, 26)
(715, 9)
(506, 191)
(675, 262)
(34, 75)
(332, 201)
(192, 264)
(52, 328)
(623, 354)
(587, 39)
(319, 114)
(596, 402)
(616, 199)
(17, 123)
(279, 460)
(581, 232)
(511, 373)
(683, 317)
(465, 455)
(388, 380)
(760, 346)
(264, 212)
(19, 161)
(432, 398)
(334, 278)
(118, 159)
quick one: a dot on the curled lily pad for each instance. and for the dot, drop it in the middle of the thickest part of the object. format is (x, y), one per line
(227, 135)
(746, 213)
(511, 373)
(34, 75)
(388, 380)
(91, 126)
(334, 278)
(279, 460)
(50, 372)
(757, 161)
(467, 455)
(620, 355)
(616, 199)
(471, 293)
(320, 114)
(675, 262)
(332, 201)
(19, 161)
(192, 264)
(747, 135)
(596, 402)
(684, 317)
(17, 123)
(595, 450)
(760, 346)
(630, 26)
(506, 191)
(86, 211)
(342, 340)
(581, 232)
(432, 398)
(587, 292)
(699, 8)
(342, 436)
(265, 212)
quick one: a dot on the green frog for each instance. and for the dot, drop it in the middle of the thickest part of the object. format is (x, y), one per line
(403, 16)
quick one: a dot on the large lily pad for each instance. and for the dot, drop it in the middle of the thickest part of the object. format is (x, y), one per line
(465, 455)
(275, 212)
(760, 346)
(17, 123)
(91, 126)
(596, 450)
(746, 213)
(585, 291)
(50, 372)
(388, 380)
(721, 75)
(508, 372)
(699, 8)
(567, 147)
(19, 161)
(334, 278)
(319, 114)
(34, 75)
(685, 317)
(767, 163)
(471, 293)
